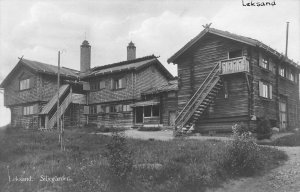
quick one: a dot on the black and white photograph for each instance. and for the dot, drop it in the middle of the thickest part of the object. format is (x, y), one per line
(149, 96)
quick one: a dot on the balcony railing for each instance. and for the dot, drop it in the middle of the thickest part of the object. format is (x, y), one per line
(234, 65)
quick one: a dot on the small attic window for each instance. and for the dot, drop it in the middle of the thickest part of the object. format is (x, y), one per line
(24, 84)
(235, 53)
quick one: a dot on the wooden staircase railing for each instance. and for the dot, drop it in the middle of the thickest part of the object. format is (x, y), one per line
(62, 108)
(200, 100)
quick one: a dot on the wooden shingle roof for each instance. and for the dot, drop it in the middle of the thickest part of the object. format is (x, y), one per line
(172, 85)
(135, 64)
(235, 37)
(39, 67)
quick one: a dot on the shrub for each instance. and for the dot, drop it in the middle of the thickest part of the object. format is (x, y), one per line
(119, 156)
(264, 129)
(243, 156)
(240, 128)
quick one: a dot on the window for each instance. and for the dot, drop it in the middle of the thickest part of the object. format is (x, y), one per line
(155, 110)
(126, 108)
(24, 84)
(107, 109)
(265, 90)
(264, 63)
(102, 85)
(93, 109)
(28, 110)
(234, 54)
(118, 108)
(147, 111)
(119, 83)
(292, 76)
(282, 71)
(113, 109)
(94, 86)
(100, 109)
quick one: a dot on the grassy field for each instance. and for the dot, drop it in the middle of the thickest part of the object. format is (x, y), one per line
(289, 140)
(86, 164)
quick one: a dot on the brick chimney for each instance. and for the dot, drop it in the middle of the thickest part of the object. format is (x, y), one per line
(131, 51)
(85, 56)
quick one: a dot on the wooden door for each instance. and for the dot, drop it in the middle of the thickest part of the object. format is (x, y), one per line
(139, 114)
(283, 114)
(172, 117)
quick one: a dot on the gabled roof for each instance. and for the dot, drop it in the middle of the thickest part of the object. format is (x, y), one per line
(135, 64)
(40, 68)
(235, 37)
(172, 85)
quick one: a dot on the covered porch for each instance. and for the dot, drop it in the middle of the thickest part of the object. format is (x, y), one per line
(147, 112)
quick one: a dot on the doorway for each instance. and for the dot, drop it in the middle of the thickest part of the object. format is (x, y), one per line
(172, 117)
(282, 114)
(139, 114)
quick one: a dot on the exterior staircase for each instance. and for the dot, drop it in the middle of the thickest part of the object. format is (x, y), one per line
(65, 96)
(199, 101)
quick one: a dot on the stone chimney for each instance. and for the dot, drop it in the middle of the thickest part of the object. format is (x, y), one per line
(85, 56)
(131, 51)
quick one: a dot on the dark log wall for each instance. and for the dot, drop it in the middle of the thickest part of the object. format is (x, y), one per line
(19, 120)
(42, 88)
(12, 93)
(108, 94)
(263, 107)
(122, 119)
(194, 67)
(290, 90)
(168, 104)
(147, 78)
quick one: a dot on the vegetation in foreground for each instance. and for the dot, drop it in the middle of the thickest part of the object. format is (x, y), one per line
(102, 163)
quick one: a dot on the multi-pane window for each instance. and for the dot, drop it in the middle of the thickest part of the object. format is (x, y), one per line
(94, 86)
(28, 110)
(282, 71)
(151, 111)
(119, 83)
(93, 109)
(264, 63)
(265, 90)
(126, 108)
(24, 84)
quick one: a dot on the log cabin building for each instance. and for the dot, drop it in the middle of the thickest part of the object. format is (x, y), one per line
(226, 78)
(130, 93)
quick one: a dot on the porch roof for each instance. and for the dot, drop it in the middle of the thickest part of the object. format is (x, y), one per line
(145, 103)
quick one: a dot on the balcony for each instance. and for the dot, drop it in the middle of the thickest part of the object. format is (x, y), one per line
(234, 65)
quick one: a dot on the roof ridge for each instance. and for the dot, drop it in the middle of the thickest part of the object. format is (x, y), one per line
(148, 57)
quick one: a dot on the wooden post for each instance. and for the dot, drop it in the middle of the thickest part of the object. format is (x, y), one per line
(57, 107)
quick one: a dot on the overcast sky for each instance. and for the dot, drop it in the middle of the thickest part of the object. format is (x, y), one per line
(38, 29)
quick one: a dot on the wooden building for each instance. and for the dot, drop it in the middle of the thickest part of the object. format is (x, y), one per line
(226, 78)
(108, 95)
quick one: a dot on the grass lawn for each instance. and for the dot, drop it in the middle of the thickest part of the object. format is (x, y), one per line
(289, 140)
(177, 165)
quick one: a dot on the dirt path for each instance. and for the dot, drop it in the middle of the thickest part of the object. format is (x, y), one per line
(285, 178)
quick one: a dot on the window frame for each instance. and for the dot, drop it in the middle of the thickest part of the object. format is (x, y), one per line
(27, 82)
(265, 90)
(235, 51)
(93, 109)
(28, 110)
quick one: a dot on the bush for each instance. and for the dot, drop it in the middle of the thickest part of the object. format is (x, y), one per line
(264, 129)
(243, 155)
(119, 156)
(240, 128)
